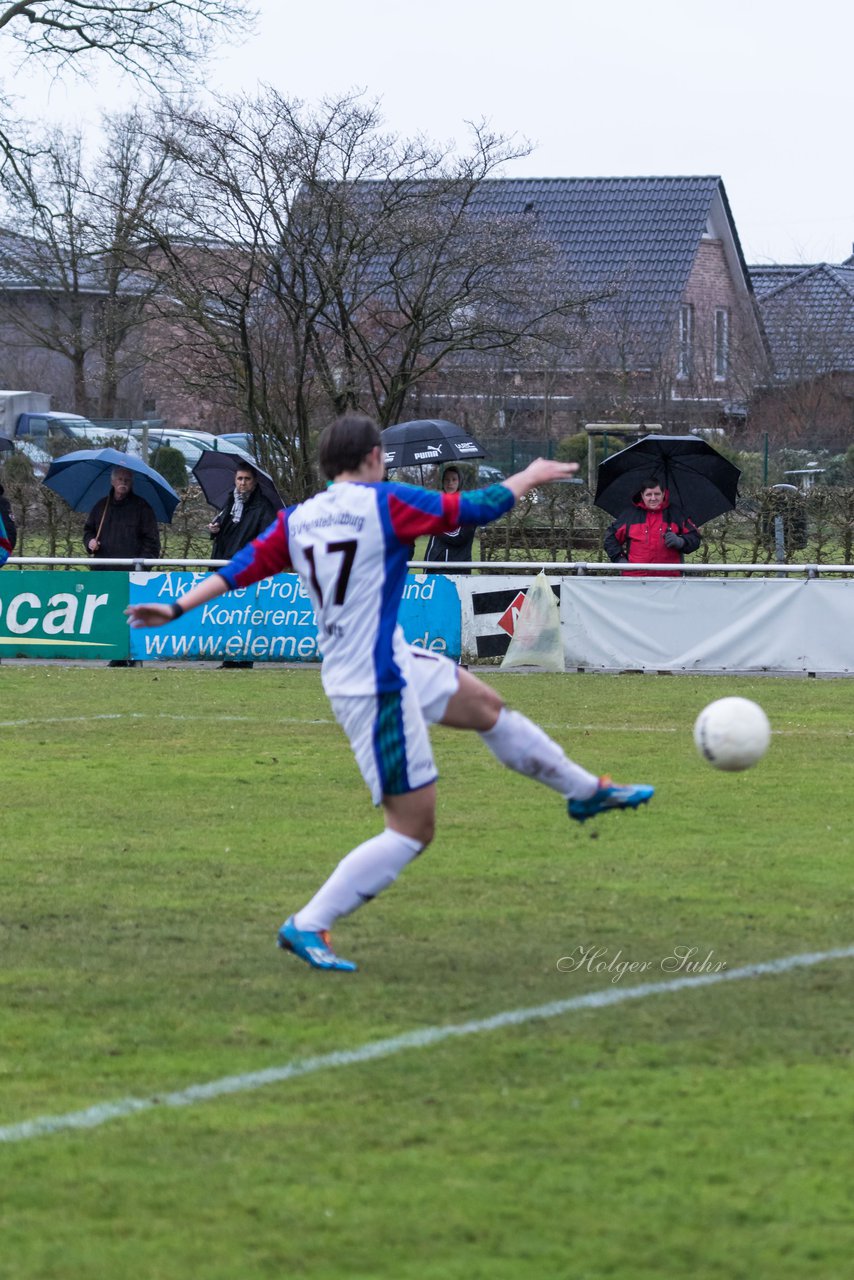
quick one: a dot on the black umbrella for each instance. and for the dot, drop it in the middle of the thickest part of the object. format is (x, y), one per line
(6, 443)
(700, 480)
(215, 471)
(426, 442)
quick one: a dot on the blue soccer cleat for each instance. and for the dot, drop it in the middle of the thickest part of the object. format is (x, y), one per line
(609, 795)
(313, 948)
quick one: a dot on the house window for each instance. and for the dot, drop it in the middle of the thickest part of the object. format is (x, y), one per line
(685, 361)
(721, 344)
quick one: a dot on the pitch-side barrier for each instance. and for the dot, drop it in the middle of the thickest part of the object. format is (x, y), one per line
(715, 618)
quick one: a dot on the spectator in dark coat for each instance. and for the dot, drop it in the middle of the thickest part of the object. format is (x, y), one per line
(121, 526)
(245, 516)
(454, 547)
(651, 531)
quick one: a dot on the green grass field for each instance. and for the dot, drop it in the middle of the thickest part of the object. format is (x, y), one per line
(159, 824)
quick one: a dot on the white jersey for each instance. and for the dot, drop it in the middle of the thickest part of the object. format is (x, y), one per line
(350, 545)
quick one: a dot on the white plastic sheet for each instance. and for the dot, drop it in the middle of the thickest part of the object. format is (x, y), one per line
(708, 624)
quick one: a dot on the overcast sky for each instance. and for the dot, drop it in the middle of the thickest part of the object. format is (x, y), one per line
(757, 91)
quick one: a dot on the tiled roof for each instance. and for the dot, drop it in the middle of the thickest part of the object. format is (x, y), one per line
(636, 237)
(768, 277)
(26, 265)
(808, 313)
(639, 235)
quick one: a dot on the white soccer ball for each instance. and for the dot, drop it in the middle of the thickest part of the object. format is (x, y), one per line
(732, 733)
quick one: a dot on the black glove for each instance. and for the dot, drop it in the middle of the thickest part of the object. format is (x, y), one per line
(673, 541)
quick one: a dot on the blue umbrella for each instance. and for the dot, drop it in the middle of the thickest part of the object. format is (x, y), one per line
(81, 478)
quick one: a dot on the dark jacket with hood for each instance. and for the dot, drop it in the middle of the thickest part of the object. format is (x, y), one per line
(258, 513)
(129, 529)
(452, 547)
(638, 537)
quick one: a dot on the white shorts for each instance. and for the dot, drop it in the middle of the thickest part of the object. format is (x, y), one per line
(388, 731)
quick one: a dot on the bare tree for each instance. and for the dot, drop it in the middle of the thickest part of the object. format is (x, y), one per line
(156, 41)
(329, 264)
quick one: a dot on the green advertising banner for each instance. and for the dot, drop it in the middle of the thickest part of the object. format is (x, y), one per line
(63, 614)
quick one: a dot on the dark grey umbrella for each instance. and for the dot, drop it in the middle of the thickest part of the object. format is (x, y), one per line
(426, 442)
(215, 472)
(6, 443)
(701, 481)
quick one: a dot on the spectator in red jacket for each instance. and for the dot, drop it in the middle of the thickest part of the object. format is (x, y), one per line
(651, 531)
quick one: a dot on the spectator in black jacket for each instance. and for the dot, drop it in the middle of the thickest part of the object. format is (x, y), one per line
(454, 547)
(246, 515)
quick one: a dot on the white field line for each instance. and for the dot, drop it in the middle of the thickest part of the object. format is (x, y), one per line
(101, 1112)
(153, 715)
(564, 726)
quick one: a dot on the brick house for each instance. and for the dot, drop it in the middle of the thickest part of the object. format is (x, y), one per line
(69, 326)
(808, 316)
(675, 337)
(55, 337)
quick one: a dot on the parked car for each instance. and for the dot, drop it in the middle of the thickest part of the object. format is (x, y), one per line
(489, 475)
(494, 475)
(191, 444)
(243, 439)
(274, 456)
(73, 430)
(95, 437)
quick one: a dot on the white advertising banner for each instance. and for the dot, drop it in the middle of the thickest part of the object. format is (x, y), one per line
(708, 624)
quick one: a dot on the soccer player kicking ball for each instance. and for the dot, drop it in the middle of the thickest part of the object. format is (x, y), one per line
(349, 545)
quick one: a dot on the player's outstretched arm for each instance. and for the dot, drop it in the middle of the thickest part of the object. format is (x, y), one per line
(156, 615)
(540, 471)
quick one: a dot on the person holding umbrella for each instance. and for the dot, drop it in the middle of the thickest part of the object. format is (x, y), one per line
(651, 531)
(661, 489)
(245, 516)
(121, 525)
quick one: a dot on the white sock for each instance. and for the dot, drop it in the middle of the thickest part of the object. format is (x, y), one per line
(359, 876)
(522, 746)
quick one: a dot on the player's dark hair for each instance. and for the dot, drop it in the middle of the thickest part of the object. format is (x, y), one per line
(346, 443)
